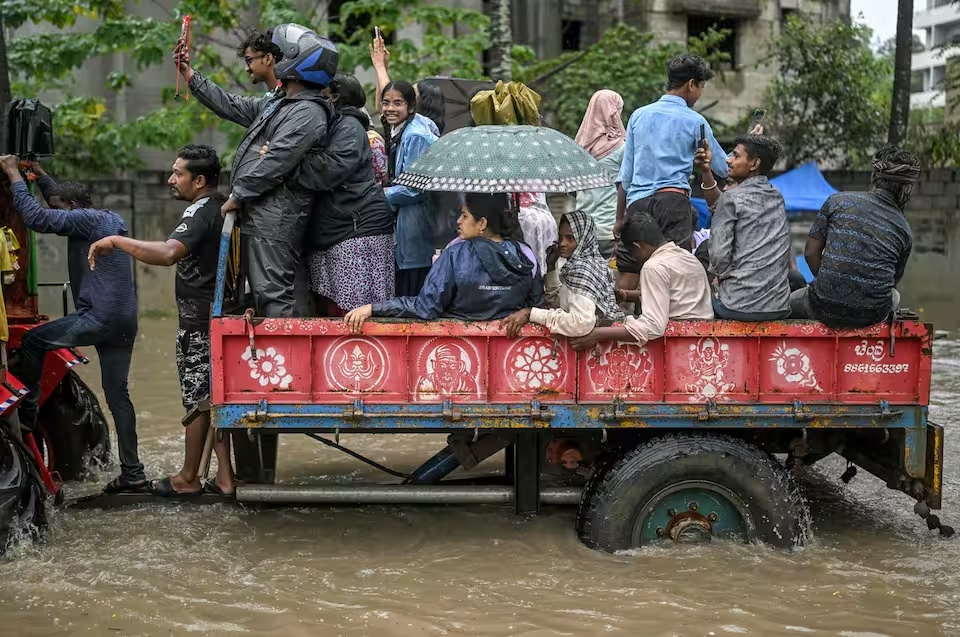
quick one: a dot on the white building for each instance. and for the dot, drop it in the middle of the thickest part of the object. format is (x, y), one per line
(939, 22)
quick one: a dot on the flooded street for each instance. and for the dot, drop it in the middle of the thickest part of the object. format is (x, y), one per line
(872, 569)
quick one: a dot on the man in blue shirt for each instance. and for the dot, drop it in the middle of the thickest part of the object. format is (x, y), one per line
(662, 139)
(105, 301)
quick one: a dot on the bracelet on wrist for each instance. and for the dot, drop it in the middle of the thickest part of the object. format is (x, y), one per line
(705, 188)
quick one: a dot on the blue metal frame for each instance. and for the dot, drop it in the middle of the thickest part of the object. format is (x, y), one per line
(443, 416)
(228, 222)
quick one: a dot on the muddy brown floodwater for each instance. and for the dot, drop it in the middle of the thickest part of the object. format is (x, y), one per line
(872, 568)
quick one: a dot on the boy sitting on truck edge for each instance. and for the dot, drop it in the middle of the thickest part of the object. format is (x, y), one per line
(580, 293)
(105, 302)
(859, 246)
(194, 247)
(673, 285)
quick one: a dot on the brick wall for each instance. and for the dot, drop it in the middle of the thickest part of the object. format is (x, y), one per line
(152, 213)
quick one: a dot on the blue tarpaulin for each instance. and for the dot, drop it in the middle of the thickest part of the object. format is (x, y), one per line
(804, 190)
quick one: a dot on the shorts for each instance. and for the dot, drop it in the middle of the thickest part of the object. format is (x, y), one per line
(193, 366)
(674, 214)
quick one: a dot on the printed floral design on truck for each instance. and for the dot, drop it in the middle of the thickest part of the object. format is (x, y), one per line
(269, 368)
(534, 364)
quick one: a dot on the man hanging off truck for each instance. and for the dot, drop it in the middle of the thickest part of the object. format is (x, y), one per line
(105, 301)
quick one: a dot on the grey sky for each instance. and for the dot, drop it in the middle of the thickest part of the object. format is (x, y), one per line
(879, 15)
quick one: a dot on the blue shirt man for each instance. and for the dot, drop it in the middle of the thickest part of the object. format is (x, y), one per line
(105, 301)
(662, 139)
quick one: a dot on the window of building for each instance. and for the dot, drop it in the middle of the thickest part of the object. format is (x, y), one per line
(361, 22)
(917, 81)
(698, 25)
(571, 30)
(785, 15)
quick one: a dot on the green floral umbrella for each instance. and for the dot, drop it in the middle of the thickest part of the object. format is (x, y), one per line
(505, 159)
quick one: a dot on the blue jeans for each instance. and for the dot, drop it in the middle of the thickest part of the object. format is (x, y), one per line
(721, 311)
(114, 345)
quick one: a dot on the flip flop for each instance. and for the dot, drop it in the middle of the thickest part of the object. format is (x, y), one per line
(164, 488)
(122, 485)
(211, 486)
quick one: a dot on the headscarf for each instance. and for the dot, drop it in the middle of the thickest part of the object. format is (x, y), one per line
(586, 271)
(602, 131)
(510, 103)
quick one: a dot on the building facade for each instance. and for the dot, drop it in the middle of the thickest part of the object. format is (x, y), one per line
(939, 22)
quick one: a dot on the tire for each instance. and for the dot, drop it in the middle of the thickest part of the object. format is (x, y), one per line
(673, 486)
(23, 510)
(76, 429)
(601, 467)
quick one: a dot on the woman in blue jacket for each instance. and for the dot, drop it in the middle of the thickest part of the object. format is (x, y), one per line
(410, 134)
(486, 276)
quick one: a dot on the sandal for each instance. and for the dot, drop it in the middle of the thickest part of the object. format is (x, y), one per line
(211, 486)
(122, 485)
(164, 488)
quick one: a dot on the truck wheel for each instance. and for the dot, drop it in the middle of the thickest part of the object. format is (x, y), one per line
(22, 495)
(689, 489)
(77, 429)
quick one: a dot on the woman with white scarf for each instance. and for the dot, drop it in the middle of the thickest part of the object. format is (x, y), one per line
(580, 294)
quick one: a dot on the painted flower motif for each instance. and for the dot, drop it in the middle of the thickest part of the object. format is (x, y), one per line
(269, 368)
(794, 366)
(536, 367)
(270, 325)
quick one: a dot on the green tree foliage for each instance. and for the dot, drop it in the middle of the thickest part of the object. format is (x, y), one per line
(831, 96)
(637, 71)
(73, 32)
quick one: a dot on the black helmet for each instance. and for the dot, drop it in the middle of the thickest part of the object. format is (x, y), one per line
(307, 57)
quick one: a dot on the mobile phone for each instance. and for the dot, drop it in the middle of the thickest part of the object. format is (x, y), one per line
(376, 33)
(757, 119)
(703, 136)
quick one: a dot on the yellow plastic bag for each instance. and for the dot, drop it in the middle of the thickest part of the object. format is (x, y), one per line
(510, 103)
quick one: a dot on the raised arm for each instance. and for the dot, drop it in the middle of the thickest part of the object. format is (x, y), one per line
(239, 109)
(380, 57)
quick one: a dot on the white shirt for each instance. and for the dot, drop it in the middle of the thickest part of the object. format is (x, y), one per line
(673, 285)
(571, 315)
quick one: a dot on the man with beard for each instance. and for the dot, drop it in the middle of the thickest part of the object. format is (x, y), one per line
(272, 204)
(194, 247)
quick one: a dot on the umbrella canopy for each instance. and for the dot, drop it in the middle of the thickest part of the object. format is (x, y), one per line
(505, 159)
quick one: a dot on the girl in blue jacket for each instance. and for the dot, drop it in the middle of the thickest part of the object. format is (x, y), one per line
(409, 135)
(486, 276)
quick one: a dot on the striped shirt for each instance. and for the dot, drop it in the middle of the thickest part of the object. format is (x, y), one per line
(107, 293)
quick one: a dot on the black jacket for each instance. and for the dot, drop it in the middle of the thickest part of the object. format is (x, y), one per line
(351, 203)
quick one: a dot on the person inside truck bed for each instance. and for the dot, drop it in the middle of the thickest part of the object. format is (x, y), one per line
(194, 246)
(486, 276)
(673, 285)
(859, 246)
(750, 238)
(580, 293)
(105, 302)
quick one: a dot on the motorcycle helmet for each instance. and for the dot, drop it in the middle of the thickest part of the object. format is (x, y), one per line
(307, 56)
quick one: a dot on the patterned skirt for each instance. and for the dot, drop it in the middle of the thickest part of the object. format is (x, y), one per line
(354, 272)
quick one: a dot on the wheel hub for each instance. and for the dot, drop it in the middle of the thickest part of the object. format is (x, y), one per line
(690, 528)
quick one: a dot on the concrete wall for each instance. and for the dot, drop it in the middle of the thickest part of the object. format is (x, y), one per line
(152, 213)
